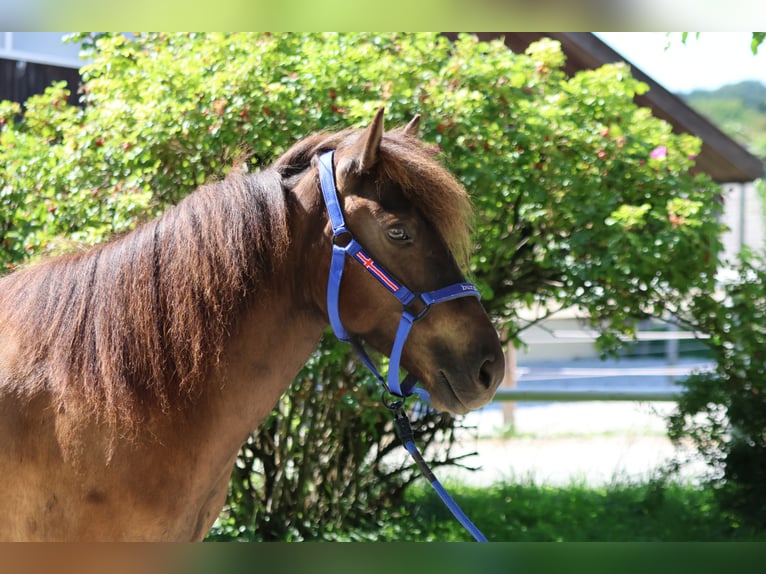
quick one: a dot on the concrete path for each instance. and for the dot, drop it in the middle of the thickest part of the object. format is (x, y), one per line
(588, 442)
(558, 443)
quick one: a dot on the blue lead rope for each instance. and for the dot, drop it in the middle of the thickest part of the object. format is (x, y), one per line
(404, 430)
(344, 245)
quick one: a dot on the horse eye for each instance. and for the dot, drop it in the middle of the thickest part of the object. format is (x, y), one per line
(398, 233)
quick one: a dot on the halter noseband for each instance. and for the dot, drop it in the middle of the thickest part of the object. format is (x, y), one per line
(344, 245)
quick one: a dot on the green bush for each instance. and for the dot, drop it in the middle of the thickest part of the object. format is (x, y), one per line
(723, 411)
(322, 462)
(654, 510)
(582, 198)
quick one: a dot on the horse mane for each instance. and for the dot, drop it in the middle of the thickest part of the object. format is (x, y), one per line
(138, 322)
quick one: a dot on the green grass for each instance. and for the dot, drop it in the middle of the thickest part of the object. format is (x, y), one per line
(652, 511)
(511, 433)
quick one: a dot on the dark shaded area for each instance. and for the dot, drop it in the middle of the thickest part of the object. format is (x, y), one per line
(19, 80)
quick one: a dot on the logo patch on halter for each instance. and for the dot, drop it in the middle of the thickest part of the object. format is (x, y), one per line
(370, 265)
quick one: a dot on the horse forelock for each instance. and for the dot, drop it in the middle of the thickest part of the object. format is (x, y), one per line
(416, 169)
(430, 188)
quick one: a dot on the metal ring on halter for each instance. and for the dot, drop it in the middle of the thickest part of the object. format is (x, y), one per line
(417, 315)
(391, 401)
(342, 238)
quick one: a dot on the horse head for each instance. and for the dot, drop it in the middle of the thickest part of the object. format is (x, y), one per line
(410, 215)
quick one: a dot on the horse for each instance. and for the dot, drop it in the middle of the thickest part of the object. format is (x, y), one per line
(132, 372)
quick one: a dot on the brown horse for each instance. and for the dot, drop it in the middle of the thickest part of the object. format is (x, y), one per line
(131, 374)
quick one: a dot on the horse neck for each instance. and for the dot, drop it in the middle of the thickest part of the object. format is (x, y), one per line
(284, 321)
(307, 265)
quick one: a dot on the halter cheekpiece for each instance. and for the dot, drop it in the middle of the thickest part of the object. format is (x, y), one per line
(414, 305)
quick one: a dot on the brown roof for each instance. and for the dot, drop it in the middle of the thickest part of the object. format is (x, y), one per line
(721, 157)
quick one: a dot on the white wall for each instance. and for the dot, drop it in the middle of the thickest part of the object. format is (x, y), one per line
(744, 216)
(40, 48)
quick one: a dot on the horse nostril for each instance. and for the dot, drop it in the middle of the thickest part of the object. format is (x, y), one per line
(491, 372)
(485, 375)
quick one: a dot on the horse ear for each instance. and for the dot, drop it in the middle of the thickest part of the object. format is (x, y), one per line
(365, 150)
(412, 129)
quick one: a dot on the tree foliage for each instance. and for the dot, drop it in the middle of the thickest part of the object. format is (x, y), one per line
(582, 198)
(756, 41)
(724, 411)
(326, 461)
(738, 109)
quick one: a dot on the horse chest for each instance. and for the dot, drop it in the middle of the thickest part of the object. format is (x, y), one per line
(169, 488)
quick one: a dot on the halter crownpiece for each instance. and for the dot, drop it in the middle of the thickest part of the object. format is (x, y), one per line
(353, 249)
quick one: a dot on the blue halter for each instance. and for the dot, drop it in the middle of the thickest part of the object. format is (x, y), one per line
(344, 245)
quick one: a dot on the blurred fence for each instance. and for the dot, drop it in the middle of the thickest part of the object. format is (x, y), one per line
(668, 369)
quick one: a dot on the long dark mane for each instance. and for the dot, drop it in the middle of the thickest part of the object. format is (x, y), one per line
(141, 320)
